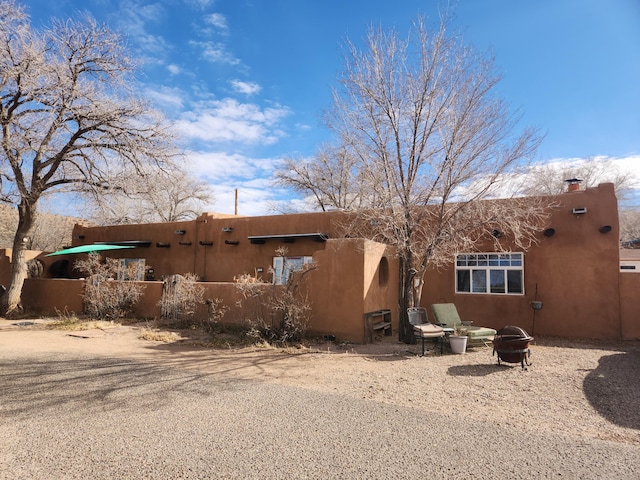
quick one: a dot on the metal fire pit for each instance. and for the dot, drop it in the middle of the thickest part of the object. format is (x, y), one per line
(512, 345)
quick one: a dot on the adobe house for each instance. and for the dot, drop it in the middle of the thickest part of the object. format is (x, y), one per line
(573, 273)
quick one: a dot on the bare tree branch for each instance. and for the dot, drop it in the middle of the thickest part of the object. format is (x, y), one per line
(68, 118)
(429, 137)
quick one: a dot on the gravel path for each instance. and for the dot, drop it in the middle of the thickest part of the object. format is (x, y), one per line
(88, 408)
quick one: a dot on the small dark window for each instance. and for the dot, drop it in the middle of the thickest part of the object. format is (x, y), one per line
(383, 272)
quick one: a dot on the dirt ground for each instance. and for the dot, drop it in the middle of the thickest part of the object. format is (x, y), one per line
(591, 388)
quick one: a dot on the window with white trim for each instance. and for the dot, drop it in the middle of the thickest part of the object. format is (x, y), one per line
(490, 273)
(282, 266)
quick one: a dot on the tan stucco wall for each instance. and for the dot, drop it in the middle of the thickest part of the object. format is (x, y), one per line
(575, 273)
(51, 295)
(219, 262)
(630, 305)
(5, 263)
(345, 286)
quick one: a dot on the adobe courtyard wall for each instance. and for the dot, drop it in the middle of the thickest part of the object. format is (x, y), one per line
(346, 282)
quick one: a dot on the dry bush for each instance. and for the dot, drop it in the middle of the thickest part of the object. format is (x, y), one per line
(183, 301)
(181, 296)
(106, 298)
(280, 313)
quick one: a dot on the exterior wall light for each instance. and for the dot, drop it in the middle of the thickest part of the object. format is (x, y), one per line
(180, 232)
(163, 244)
(605, 229)
(549, 232)
(227, 229)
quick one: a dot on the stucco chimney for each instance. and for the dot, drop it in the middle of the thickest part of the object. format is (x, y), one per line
(573, 184)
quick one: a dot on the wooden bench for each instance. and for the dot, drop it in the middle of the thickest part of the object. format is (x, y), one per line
(375, 321)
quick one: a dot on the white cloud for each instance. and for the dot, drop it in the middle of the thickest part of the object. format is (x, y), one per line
(227, 172)
(231, 168)
(248, 88)
(513, 184)
(219, 21)
(133, 18)
(166, 98)
(216, 52)
(174, 69)
(228, 120)
(201, 4)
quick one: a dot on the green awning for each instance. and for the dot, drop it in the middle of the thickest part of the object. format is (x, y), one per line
(89, 249)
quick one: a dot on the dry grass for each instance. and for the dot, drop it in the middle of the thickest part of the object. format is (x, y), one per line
(71, 322)
(160, 336)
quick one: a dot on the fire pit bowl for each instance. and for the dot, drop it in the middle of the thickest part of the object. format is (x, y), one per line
(512, 345)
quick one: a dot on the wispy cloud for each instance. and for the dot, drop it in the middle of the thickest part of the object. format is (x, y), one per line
(166, 98)
(215, 52)
(218, 21)
(174, 69)
(228, 120)
(248, 88)
(133, 18)
(200, 4)
(227, 172)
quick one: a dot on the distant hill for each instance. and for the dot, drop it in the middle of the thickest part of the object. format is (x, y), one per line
(52, 232)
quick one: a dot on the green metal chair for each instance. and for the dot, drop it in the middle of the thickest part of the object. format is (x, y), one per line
(446, 315)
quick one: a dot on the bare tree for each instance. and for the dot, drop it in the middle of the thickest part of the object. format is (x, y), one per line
(155, 196)
(330, 179)
(432, 138)
(68, 119)
(549, 178)
(629, 225)
(50, 232)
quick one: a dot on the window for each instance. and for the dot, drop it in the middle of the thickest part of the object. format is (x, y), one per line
(494, 273)
(283, 265)
(131, 269)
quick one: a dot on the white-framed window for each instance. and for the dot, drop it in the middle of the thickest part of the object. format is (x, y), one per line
(490, 273)
(282, 266)
(131, 269)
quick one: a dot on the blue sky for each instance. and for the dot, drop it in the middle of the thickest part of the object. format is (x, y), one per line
(246, 81)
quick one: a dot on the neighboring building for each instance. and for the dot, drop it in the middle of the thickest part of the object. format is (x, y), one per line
(574, 270)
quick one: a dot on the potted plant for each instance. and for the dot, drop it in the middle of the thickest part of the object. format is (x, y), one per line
(458, 339)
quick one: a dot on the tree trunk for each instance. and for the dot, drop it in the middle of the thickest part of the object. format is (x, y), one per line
(10, 302)
(405, 329)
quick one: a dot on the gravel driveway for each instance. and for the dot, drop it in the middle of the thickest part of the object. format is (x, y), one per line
(91, 409)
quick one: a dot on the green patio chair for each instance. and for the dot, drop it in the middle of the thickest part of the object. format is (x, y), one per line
(446, 315)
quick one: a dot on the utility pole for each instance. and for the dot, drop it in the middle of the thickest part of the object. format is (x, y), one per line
(235, 209)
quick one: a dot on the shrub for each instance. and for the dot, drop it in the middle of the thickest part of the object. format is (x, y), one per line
(280, 313)
(106, 298)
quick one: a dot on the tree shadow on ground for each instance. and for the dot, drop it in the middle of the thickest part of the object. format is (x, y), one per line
(613, 388)
(90, 384)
